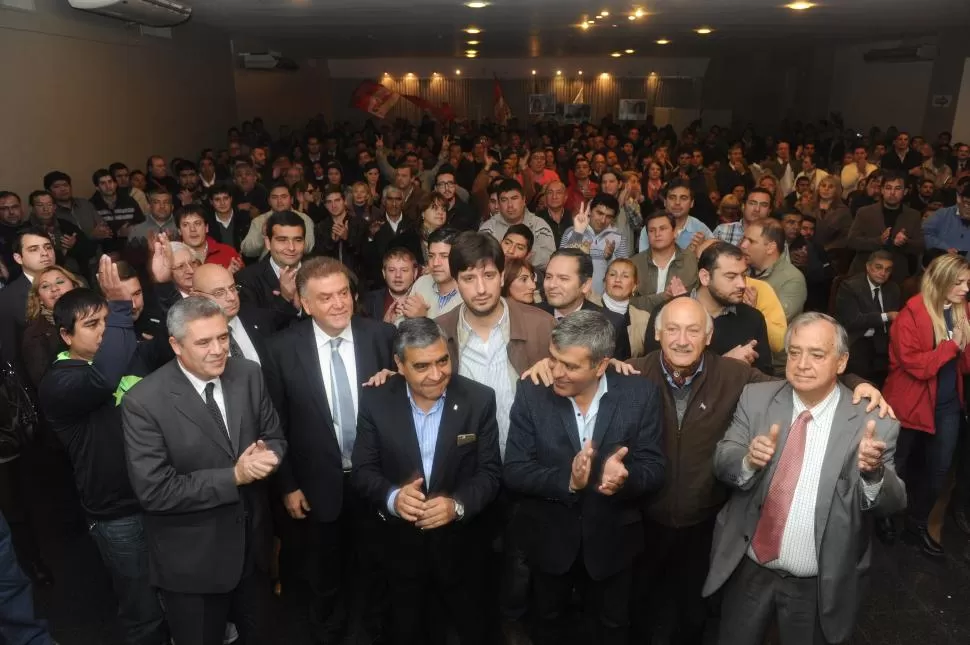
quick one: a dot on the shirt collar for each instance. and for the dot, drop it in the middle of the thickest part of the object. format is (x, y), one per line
(198, 384)
(440, 403)
(872, 287)
(821, 407)
(323, 338)
(594, 405)
(277, 268)
(687, 380)
(730, 309)
(465, 330)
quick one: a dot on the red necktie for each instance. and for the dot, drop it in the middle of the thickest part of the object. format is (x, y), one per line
(774, 512)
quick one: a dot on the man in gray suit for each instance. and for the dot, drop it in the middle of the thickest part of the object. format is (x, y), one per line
(201, 437)
(810, 469)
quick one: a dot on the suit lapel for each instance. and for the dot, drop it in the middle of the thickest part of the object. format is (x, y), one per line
(451, 424)
(844, 429)
(309, 357)
(401, 411)
(567, 416)
(190, 405)
(362, 357)
(779, 411)
(604, 417)
(231, 392)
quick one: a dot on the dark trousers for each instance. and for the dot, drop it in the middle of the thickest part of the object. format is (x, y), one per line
(200, 619)
(17, 623)
(925, 479)
(961, 492)
(755, 597)
(342, 565)
(668, 578)
(125, 554)
(606, 605)
(17, 504)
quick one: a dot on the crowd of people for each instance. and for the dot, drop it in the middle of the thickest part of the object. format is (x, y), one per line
(599, 383)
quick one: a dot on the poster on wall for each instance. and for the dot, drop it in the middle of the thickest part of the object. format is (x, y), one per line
(633, 110)
(542, 104)
(576, 112)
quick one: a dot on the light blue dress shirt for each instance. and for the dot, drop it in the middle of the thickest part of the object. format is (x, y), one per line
(426, 427)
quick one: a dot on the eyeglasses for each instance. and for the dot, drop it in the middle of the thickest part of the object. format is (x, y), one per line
(221, 292)
(445, 184)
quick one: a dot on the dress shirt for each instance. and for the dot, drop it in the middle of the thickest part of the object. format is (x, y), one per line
(585, 425)
(326, 371)
(945, 230)
(426, 425)
(277, 268)
(885, 319)
(798, 554)
(594, 244)
(199, 386)
(438, 303)
(731, 233)
(394, 224)
(487, 362)
(241, 336)
(683, 236)
(662, 272)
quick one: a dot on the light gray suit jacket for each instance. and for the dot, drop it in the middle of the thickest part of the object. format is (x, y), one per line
(843, 514)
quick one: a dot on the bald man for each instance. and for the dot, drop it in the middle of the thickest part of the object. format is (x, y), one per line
(249, 326)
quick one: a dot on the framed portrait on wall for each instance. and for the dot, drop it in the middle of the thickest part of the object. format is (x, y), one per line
(542, 104)
(633, 110)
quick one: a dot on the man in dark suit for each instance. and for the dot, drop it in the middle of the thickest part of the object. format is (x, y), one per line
(271, 282)
(427, 456)
(249, 326)
(386, 237)
(33, 251)
(581, 454)
(808, 468)
(567, 282)
(225, 224)
(891, 226)
(314, 371)
(400, 271)
(201, 436)
(866, 304)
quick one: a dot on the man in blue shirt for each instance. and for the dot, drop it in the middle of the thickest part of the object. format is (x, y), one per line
(688, 229)
(948, 229)
(427, 455)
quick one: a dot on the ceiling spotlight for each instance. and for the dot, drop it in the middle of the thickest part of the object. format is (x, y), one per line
(471, 54)
(703, 31)
(616, 54)
(558, 72)
(584, 25)
(604, 75)
(631, 17)
(471, 51)
(663, 41)
(434, 74)
(628, 51)
(580, 72)
(474, 42)
(472, 30)
(533, 72)
(457, 72)
(638, 13)
(800, 6)
(477, 5)
(604, 13)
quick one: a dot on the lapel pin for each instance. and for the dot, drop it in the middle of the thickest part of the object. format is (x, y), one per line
(456, 407)
(703, 407)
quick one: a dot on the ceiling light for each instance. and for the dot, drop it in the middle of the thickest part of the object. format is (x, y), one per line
(471, 51)
(628, 51)
(663, 41)
(477, 5)
(604, 13)
(631, 17)
(474, 42)
(472, 30)
(533, 72)
(558, 72)
(434, 74)
(471, 54)
(457, 72)
(409, 75)
(580, 72)
(638, 13)
(604, 75)
(616, 54)
(800, 6)
(584, 25)
(703, 31)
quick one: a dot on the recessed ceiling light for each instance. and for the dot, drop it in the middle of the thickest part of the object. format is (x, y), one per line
(631, 17)
(477, 5)
(638, 13)
(471, 51)
(598, 18)
(616, 54)
(472, 30)
(800, 6)
(470, 54)
(580, 72)
(410, 75)
(533, 72)
(474, 42)
(584, 25)
(558, 72)
(628, 51)
(703, 31)
(604, 75)
(457, 72)
(604, 13)
(663, 41)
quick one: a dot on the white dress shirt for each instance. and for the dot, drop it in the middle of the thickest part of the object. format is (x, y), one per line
(199, 386)
(662, 272)
(882, 305)
(586, 424)
(241, 336)
(346, 351)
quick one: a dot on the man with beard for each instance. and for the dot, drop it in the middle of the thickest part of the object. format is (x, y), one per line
(890, 225)
(190, 188)
(461, 216)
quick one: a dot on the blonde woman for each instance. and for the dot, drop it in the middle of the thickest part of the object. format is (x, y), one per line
(832, 217)
(41, 340)
(619, 286)
(927, 362)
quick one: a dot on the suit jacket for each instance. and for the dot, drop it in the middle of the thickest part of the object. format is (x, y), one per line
(236, 232)
(530, 330)
(683, 265)
(857, 312)
(622, 350)
(292, 368)
(387, 456)
(202, 529)
(349, 251)
(260, 325)
(257, 282)
(13, 319)
(843, 515)
(371, 304)
(865, 237)
(556, 526)
(384, 240)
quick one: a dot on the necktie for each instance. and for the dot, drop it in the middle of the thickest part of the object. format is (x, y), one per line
(878, 303)
(234, 348)
(346, 417)
(213, 407)
(774, 512)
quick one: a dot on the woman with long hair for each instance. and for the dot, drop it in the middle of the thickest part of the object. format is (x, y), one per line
(41, 340)
(619, 285)
(927, 362)
(434, 213)
(654, 182)
(519, 281)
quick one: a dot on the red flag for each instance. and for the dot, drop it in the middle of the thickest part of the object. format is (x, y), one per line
(442, 112)
(374, 98)
(502, 111)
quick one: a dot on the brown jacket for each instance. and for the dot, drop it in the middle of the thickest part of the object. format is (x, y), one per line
(530, 329)
(865, 237)
(683, 265)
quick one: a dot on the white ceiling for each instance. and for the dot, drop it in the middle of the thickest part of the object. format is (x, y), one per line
(532, 28)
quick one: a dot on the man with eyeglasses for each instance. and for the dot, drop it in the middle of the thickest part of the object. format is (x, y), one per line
(948, 229)
(461, 216)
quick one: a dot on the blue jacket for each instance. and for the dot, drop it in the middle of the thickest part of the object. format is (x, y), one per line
(945, 229)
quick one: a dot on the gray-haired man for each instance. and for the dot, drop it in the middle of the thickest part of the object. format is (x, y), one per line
(201, 437)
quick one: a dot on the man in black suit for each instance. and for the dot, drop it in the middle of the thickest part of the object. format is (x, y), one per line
(400, 271)
(567, 282)
(582, 455)
(271, 282)
(379, 241)
(225, 224)
(201, 436)
(427, 456)
(33, 251)
(314, 371)
(249, 326)
(866, 304)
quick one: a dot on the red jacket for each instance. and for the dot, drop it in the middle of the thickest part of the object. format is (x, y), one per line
(913, 366)
(575, 198)
(219, 253)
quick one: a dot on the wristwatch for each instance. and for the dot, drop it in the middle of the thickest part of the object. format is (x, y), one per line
(459, 510)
